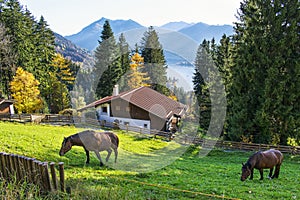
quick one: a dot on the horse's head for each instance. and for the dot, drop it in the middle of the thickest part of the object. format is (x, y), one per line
(246, 171)
(65, 146)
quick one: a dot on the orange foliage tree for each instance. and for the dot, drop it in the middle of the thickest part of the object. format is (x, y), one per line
(136, 78)
(25, 91)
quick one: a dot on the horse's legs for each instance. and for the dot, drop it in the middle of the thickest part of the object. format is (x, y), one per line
(108, 155)
(99, 157)
(277, 169)
(261, 171)
(87, 156)
(251, 176)
(116, 154)
(271, 171)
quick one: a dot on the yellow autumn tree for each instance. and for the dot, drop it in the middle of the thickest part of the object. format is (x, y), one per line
(62, 68)
(136, 78)
(25, 91)
(61, 79)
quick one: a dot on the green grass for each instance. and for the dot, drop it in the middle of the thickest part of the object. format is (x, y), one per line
(148, 168)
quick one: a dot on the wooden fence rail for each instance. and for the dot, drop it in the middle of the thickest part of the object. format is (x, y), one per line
(23, 118)
(20, 169)
(94, 122)
(88, 122)
(206, 143)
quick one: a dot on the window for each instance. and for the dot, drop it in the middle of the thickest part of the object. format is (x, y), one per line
(145, 125)
(126, 123)
(104, 109)
(118, 108)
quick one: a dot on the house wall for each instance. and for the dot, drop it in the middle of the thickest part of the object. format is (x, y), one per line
(128, 114)
(124, 109)
(157, 123)
(120, 114)
(5, 108)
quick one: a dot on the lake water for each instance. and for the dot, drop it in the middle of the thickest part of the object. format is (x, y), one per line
(183, 74)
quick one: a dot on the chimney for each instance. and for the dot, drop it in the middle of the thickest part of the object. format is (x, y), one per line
(116, 90)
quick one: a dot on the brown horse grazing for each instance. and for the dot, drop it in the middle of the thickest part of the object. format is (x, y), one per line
(263, 160)
(92, 141)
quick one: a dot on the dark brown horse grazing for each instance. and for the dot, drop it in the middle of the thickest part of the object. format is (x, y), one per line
(263, 160)
(92, 141)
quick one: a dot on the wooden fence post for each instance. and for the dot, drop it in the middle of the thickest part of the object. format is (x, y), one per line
(61, 176)
(16, 167)
(3, 165)
(19, 169)
(9, 166)
(29, 170)
(45, 176)
(37, 173)
(53, 174)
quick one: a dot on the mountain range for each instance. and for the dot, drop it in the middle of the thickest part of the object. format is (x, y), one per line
(180, 41)
(88, 37)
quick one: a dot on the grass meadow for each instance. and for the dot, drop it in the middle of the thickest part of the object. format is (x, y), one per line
(147, 168)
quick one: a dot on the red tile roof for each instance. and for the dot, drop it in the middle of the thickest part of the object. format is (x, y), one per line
(147, 99)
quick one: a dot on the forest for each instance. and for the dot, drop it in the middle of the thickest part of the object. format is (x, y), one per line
(259, 66)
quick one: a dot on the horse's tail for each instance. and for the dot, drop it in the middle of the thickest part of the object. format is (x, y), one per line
(114, 139)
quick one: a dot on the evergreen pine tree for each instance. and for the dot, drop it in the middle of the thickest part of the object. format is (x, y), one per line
(32, 42)
(223, 62)
(124, 52)
(108, 68)
(203, 63)
(154, 59)
(19, 25)
(7, 62)
(44, 43)
(266, 63)
(281, 107)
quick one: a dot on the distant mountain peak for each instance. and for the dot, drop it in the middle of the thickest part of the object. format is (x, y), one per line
(88, 37)
(176, 26)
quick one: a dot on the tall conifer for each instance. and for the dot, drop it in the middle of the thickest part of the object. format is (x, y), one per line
(108, 67)
(124, 52)
(263, 106)
(154, 60)
(203, 62)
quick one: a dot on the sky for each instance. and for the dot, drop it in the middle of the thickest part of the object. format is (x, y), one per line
(68, 17)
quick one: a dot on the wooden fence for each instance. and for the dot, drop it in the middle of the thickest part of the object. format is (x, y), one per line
(206, 143)
(60, 119)
(23, 118)
(88, 122)
(94, 122)
(22, 169)
(47, 118)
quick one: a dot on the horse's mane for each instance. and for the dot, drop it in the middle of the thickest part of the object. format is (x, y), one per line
(248, 163)
(74, 139)
(72, 136)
